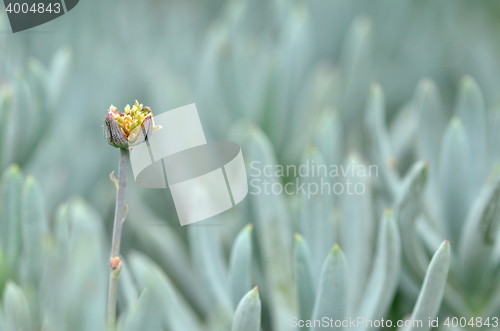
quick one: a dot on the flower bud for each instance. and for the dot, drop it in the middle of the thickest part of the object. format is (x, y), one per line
(115, 264)
(133, 127)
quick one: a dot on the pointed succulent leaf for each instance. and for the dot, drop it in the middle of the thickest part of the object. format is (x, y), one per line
(247, 315)
(316, 222)
(242, 82)
(240, 265)
(38, 79)
(432, 120)
(455, 175)
(356, 63)
(480, 233)
(328, 136)
(378, 135)
(357, 45)
(58, 75)
(35, 230)
(17, 314)
(358, 227)
(316, 97)
(493, 126)
(271, 220)
(209, 262)
(163, 245)
(5, 113)
(67, 273)
(493, 306)
(403, 132)
(306, 291)
(383, 281)
(138, 316)
(21, 146)
(295, 52)
(2, 320)
(4, 272)
(62, 226)
(431, 294)
(166, 307)
(471, 110)
(331, 299)
(407, 207)
(34, 218)
(10, 234)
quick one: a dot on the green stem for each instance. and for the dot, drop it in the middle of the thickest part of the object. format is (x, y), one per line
(117, 233)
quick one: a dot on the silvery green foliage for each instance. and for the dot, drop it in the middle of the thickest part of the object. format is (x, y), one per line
(247, 315)
(48, 268)
(455, 195)
(291, 81)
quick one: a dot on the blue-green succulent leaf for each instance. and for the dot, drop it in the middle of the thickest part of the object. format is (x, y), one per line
(4, 272)
(316, 97)
(17, 314)
(163, 245)
(247, 315)
(331, 299)
(455, 178)
(470, 109)
(493, 125)
(10, 234)
(357, 225)
(138, 316)
(407, 207)
(355, 62)
(62, 225)
(384, 278)
(2, 320)
(208, 261)
(35, 230)
(20, 146)
(431, 294)
(378, 135)
(57, 78)
(33, 214)
(403, 132)
(5, 113)
(295, 51)
(493, 306)
(479, 234)
(431, 123)
(316, 215)
(328, 137)
(306, 290)
(271, 220)
(67, 273)
(127, 290)
(165, 305)
(38, 79)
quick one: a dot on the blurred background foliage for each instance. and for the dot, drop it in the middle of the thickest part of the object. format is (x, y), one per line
(278, 77)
